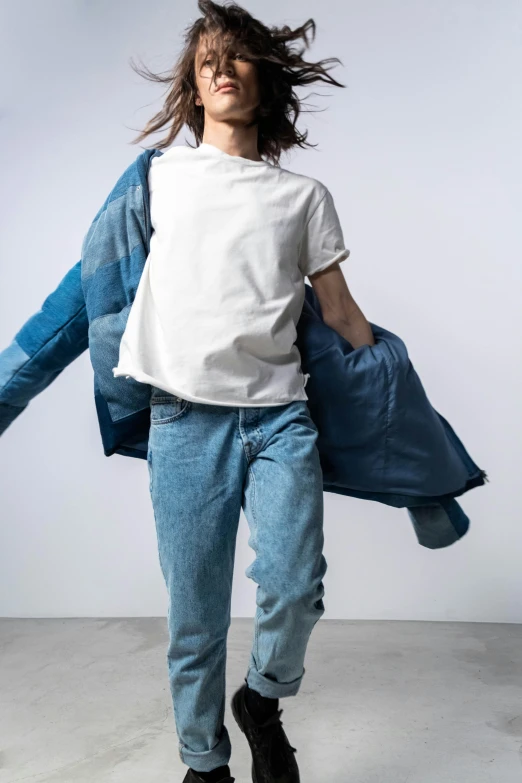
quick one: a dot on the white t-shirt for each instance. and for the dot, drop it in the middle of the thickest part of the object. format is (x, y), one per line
(215, 313)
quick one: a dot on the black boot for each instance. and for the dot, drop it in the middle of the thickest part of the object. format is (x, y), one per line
(202, 777)
(273, 759)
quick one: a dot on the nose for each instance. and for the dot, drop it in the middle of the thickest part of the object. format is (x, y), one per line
(228, 69)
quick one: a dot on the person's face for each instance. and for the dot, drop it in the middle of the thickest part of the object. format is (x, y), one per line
(226, 104)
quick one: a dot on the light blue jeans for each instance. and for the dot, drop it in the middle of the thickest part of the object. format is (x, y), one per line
(206, 462)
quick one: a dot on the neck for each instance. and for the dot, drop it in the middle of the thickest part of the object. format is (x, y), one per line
(233, 139)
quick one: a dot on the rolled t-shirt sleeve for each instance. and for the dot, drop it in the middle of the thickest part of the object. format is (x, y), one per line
(322, 243)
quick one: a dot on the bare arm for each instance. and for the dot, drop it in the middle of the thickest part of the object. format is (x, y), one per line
(339, 309)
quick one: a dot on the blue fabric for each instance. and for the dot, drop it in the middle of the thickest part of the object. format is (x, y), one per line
(379, 437)
(206, 463)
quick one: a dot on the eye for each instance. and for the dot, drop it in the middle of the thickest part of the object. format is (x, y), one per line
(242, 56)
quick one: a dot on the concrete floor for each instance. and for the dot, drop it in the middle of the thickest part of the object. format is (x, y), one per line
(87, 701)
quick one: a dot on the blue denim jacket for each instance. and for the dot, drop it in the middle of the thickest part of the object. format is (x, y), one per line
(379, 437)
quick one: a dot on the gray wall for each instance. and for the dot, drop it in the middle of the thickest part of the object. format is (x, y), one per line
(422, 154)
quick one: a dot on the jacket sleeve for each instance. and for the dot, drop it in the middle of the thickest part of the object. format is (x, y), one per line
(48, 341)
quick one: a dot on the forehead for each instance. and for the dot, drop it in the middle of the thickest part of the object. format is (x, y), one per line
(216, 40)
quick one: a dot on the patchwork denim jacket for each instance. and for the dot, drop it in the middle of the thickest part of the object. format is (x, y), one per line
(379, 437)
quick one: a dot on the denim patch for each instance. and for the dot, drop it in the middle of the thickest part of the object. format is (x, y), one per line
(124, 396)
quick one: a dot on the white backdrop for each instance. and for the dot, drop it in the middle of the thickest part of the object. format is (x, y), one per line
(422, 154)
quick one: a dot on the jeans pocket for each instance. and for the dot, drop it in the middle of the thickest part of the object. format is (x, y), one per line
(166, 409)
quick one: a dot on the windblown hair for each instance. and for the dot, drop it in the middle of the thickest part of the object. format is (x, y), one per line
(280, 68)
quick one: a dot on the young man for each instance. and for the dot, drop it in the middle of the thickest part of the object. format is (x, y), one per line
(212, 330)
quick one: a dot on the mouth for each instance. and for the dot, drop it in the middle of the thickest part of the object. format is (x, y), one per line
(227, 86)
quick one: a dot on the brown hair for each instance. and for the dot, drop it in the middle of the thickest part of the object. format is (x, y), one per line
(280, 68)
